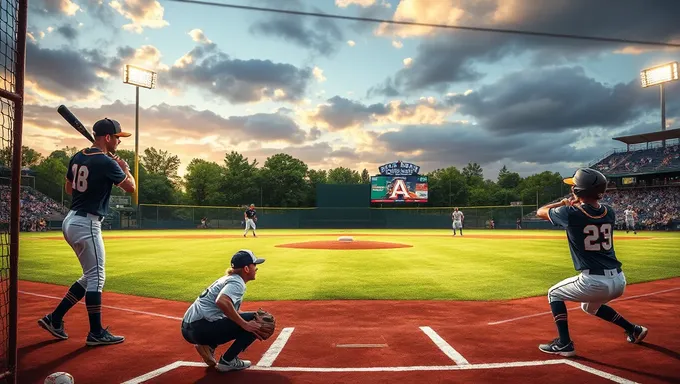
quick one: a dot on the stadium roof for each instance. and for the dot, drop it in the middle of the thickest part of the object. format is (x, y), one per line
(650, 136)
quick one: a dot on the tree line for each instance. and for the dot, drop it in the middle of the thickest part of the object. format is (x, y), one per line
(284, 181)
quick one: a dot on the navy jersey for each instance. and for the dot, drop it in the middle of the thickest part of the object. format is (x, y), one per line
(92, 175)
(590, 232)
(250, 213)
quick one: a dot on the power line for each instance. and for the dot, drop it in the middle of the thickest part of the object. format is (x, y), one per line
(443, 26)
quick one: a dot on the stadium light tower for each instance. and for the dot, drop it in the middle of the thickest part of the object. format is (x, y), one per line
(658, 76)
(139, 77)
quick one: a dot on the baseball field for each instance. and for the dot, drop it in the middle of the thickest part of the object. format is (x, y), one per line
(481, 265)
(389, 306)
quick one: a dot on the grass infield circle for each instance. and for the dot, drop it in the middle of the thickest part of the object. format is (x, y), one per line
(334, 244)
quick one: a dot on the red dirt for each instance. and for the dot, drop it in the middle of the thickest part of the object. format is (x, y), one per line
(218, 236)
(333, 245)
(153, 341)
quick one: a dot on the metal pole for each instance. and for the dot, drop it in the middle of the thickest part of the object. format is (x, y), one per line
(15, 206)
(663, 112)
(135, 195)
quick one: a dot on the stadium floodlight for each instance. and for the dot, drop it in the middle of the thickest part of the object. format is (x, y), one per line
(658, 76)
(139, 77)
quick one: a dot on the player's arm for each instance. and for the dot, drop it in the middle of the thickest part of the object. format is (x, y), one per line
(225, 304)
(556, 213)
(68, 184)
(119, 173)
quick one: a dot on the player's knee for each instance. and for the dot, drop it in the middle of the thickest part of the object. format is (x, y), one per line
(590, 308)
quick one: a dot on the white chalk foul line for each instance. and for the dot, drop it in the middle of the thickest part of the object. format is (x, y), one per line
(277, 346)
(155, 373)
(514, 364)
(571, 309)
(108, 306)
(444, 346)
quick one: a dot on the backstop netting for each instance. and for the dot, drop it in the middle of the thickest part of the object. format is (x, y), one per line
(13, 15)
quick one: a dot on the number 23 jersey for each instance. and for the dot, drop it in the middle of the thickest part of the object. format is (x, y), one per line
(590, 233)
(92, 174)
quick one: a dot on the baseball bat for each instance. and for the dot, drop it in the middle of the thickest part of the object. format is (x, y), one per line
(75, 123)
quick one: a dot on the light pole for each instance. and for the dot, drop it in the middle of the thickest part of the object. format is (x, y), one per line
(658, 76)
(139, 77)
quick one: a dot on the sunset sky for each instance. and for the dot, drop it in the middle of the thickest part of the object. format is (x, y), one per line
(354, 94)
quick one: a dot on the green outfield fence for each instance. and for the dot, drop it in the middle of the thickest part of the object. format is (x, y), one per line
(154, 216)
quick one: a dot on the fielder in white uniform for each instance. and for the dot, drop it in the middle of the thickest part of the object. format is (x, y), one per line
(630, 217)
(457, 217)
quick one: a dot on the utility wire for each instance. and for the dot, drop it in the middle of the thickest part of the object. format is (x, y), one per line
(417, 24)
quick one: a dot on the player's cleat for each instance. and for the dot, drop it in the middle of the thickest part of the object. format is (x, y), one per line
(638, 334)
(234, 365)
(207, 354)
(104, 338)
(46, 323)
(556, 348)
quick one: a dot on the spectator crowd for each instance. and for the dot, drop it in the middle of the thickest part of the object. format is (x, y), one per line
(641, 160)
(35, 208)
(656, 207)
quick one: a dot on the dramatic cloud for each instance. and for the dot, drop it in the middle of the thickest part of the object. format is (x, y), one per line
(54, 7)
(235, 80)
(553, 100)
(449, 57)
(69, 32)
(361, 3)
(341, 113)
(141, 13)
(320, 35)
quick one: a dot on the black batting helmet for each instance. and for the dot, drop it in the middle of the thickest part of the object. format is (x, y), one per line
(587, 182)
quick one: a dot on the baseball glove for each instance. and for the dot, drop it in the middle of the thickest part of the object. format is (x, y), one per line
(267, 322)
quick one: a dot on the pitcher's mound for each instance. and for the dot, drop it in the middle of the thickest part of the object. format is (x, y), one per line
(356, 244)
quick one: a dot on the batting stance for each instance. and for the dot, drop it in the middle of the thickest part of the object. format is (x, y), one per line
(91, 175)
(590, 226)
(457, 217)
(214, 319)
(250, 217)
(630, 215)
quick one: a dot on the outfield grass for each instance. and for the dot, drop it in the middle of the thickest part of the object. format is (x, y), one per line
(434, 268)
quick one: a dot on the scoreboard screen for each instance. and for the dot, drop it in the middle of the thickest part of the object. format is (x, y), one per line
(399, 189)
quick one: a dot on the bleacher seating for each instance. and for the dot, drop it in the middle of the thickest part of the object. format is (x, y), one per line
(643, 160)
(36, 209)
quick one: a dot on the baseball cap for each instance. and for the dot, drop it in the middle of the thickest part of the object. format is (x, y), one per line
(107, 126)
(243, 258)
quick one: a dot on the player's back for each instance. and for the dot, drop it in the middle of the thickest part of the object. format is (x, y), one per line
(590, 233)
(204, 306)
(93, 174)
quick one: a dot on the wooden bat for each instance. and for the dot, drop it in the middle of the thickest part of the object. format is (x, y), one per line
(75, 123)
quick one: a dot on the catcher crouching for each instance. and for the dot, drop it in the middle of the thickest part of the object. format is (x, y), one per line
(214, 319)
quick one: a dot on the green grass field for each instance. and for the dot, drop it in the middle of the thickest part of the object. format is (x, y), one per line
(445, 267)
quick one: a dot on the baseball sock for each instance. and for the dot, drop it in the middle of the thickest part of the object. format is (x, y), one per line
(74, 295)
(93, 301)
(559, 310)
(608, 313)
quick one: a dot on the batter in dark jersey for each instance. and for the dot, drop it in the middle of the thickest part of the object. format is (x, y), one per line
(590, 234)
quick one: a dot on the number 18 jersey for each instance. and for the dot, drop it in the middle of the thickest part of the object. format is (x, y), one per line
(92, 174)
(590, 233)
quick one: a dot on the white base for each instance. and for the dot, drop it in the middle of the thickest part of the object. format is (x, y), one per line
(345, 238)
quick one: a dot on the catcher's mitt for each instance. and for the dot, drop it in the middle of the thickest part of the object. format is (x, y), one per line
(267, 322)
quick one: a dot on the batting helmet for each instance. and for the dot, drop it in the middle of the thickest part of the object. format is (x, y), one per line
(587, 182)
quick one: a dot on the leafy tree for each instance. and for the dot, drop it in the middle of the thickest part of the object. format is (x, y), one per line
(29, 156)
(240, 182)
(474, 174)
(283, 180)
(156, 189)
(50, 177)
(365, 177)
(161, 162)
(342, 175)
(507, 179)
(314, 177)
(203, 182)
(447, 187)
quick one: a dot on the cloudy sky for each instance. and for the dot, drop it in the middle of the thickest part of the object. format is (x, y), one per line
(355, 94)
